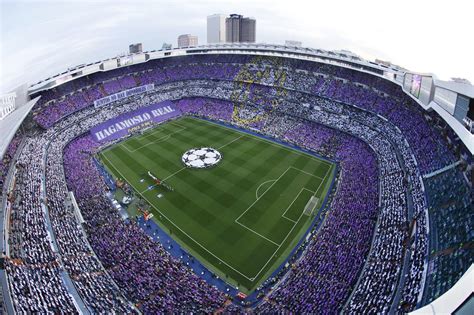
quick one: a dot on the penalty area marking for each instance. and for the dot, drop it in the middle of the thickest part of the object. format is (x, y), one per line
(265, 238)
(284, 240)
(203, 247)
(256, 191)
(212, 254)
(283, 215)
(161, 139)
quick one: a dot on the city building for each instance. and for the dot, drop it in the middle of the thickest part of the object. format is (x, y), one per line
(293, 43)
(135, 48)
(166, 46)
(240, 29)
(216, 29)
(187, 40)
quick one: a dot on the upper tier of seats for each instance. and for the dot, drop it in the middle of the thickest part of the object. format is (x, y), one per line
(323, 108)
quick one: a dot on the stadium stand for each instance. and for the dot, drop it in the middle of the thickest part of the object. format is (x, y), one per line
(390, 236)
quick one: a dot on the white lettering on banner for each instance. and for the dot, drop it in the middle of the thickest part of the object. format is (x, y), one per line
(123, 94)
(161, 111)
(131, 122)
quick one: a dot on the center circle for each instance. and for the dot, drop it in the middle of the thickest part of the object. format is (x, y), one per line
(201, 157)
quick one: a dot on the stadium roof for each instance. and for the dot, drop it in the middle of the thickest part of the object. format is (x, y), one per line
(338, 58)
(10, 124)
(461, 88)
(465, 135)
(453, 300)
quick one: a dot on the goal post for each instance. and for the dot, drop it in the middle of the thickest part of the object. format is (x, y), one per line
(310, 205)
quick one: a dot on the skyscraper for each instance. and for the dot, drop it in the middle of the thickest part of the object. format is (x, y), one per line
(232, 28)
(240, 29)
(187, 40)
(247, 30)
(216, 28)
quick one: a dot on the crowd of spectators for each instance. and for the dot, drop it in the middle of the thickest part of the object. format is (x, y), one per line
(8, 157)
(452, 218)
(33, 267)
(142, 268)
(274, 79)
(392, 229)
(370, 252)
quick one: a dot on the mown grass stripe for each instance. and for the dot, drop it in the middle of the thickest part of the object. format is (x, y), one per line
(205, 203)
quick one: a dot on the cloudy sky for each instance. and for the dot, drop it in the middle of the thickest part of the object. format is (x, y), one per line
(41, 38)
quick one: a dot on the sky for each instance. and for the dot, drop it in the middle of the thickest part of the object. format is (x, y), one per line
(42, 38)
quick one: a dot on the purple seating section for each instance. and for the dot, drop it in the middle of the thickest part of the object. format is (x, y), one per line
(321, 281)
(7, 157)
(142, 268)
(145, 273)
(429, 149)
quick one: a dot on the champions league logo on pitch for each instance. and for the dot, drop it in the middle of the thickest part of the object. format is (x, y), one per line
(201, 157)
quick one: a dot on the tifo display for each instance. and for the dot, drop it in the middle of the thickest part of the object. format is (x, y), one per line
(250, 183)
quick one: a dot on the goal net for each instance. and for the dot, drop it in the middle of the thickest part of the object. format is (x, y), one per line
(309, 208)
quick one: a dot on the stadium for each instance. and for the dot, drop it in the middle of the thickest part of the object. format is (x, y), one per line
(237, 178)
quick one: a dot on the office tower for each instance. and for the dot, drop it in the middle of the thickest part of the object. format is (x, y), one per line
(240, 29)
(216, 29)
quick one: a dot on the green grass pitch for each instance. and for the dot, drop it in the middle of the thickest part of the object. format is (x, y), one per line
(240, 218)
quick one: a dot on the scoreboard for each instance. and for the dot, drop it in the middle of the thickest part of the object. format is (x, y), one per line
(420, 86)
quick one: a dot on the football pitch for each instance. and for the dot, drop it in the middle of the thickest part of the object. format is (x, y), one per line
(242, 217)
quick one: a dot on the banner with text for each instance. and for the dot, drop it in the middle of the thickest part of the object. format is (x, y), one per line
(121, 95)
(120, 126)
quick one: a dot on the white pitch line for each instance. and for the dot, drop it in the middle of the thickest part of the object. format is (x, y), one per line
(147, 189)
(296, 151)
(180, 228)
(257, 233)
(291, 220)
(305, 172)
(283, 215)
(161, 139)
(271, 257)
(159, 128)
(166, 178)
(324, 179)
(279, 246)
(276, 180)
(230, 142)
(256, 191)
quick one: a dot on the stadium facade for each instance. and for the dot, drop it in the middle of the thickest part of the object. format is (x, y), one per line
(410, 273)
